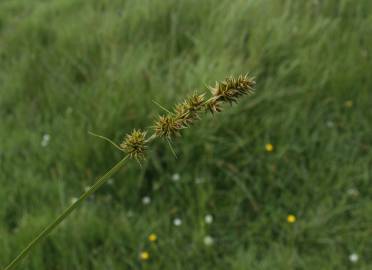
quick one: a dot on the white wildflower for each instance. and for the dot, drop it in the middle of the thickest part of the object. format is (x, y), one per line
(208, 219)
(208, 240)
(330, 124)
(110, 181)
(199, 180)
(177, 222)
(146, 200)
(45, 140)
(353, 257)
(176, 177)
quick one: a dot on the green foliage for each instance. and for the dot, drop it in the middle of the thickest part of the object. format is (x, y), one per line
(70, 66)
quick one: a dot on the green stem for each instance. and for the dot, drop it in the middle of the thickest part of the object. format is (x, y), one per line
(66, 213)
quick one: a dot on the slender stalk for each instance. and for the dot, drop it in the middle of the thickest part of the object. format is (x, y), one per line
(166, 127)
(106, 139)
(66, 213)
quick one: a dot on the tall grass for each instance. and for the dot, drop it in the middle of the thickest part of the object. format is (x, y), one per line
(136, 144)
(72, 66)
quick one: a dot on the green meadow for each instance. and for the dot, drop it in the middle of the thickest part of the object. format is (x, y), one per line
(281, 180)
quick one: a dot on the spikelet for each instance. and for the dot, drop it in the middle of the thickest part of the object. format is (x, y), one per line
(213, 105)
(232, 88)
(195, 102)
(229, 91)
(134, 144)
(182, 114)
(167, 126)
(188, 111)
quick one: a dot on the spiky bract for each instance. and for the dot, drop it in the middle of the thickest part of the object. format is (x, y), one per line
(229, 91)
(135, 144)
(167, 126)
(188, 111)
(185, 113)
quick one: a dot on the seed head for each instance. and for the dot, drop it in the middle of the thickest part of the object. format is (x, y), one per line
(188, 111)
(231, 88)
(195, 102)
(182, 114)
(167, 126)
(135, 144)
(213, 105)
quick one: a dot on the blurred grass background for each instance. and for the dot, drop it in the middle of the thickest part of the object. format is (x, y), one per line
(67, 67)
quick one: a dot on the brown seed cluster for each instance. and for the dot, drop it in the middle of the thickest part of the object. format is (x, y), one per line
(183, 115)
(229, 91)
(135, 144)
(187, 112)
(167, 126)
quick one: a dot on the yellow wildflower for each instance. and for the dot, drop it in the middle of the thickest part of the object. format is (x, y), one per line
(269, 147)
(144, 255)
(291, 218)
(348, 103)
(152, 237)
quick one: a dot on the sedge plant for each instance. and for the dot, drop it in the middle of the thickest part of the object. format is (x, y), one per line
(167, 127)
